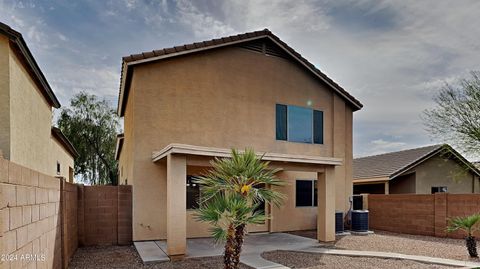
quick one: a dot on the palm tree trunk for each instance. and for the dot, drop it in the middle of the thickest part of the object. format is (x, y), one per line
(239, 235)
(471, 246)
(229, 248)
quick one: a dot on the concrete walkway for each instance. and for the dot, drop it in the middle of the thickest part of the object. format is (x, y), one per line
(256, 244)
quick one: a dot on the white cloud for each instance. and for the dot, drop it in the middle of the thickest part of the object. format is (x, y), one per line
(381, 146)
(202, 24)
(392, 55)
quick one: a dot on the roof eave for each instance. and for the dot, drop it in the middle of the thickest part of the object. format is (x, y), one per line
(16, 38)
(67, 145)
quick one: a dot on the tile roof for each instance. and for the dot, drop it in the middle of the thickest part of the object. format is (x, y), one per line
(395, 163)
(385, 165)
(218, 42)
(21, 47)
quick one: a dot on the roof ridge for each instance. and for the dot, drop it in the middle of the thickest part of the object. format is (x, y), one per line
(399, 151)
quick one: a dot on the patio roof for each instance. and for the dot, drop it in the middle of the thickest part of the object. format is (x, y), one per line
(224, 152)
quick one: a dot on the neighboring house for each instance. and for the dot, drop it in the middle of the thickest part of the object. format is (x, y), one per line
(26, 110)
(425, 170)
(185, 105)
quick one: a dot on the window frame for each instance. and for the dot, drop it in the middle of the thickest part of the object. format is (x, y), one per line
(439, 188)
(186, 193)
(59, 169)
(287, 136)
(314, 201)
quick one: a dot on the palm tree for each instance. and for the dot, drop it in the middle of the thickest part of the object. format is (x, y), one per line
(466, 224)
(231, 193)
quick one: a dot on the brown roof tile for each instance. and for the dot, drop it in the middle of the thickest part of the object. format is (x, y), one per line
(386, 165)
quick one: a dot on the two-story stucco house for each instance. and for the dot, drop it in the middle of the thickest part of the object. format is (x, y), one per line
(26, 110)
(185, 105)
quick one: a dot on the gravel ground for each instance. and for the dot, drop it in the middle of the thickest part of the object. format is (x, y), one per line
(127, 257)
(313, 261)
(402, 243)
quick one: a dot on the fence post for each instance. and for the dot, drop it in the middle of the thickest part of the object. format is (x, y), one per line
(63, 229)
(440, 200)
(81, 214)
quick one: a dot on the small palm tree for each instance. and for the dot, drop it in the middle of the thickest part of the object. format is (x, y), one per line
(231, 193)
(466, 224)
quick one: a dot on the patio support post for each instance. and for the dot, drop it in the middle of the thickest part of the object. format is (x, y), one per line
(387, 188)
(176, 205)
(326, 205)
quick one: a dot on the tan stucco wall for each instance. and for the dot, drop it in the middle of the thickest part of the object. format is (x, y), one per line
(26, 119)
(224, 98)
(288, 217)
(31, 120)
(4, 98)
(439, 171)
(403, 184)
(59, 154)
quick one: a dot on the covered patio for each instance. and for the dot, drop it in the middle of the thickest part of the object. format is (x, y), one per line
(178, 158)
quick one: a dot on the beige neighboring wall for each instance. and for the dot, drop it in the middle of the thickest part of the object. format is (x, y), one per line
(30, 120)
(438, 171)
(26, 118)
(223, 98)
(62, 156)
(4, 98)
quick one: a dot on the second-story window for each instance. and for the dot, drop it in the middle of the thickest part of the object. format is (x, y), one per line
(299, 124)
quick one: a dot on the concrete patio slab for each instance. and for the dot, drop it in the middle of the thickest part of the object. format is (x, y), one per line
(254, 245)
(150, 252)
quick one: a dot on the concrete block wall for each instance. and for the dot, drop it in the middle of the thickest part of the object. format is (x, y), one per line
(104, 215)
(44, 219)
(69, 221)
(421, 214)
(124, 221)
(30, 235)
(402, 213)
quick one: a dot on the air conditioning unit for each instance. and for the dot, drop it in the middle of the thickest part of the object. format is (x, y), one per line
(339, 222)
(360, 220)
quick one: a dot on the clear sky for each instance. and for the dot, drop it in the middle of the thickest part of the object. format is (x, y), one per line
(391, 55)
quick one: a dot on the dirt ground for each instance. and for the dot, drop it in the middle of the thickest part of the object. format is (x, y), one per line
(402, 243)
(126, 257)
(314, 261)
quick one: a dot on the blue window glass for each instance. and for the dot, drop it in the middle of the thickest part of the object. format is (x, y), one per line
(300, 124)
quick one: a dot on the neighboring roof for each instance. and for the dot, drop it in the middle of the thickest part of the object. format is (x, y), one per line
(21, 47)
(224, 152)
(119, 146)
(395, 163)
(155, 55)
(57, 133)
